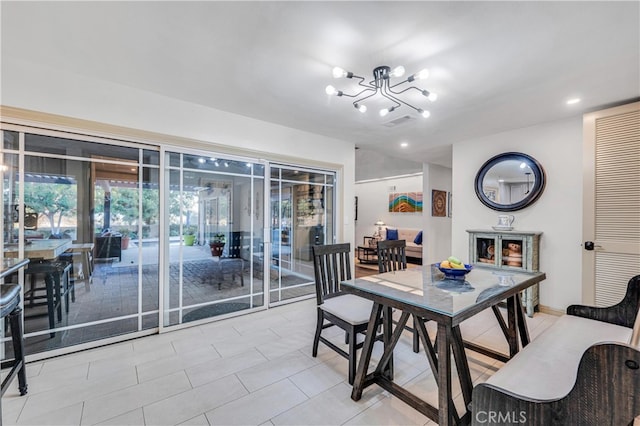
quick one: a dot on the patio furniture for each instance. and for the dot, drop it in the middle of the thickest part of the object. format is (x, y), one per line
(108, 247)
(10, 307)
(230, 267)
(57, 285)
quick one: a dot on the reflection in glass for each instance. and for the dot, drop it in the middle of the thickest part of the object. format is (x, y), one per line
(508, 182)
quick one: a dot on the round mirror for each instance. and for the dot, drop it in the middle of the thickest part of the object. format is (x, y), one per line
(509, 182)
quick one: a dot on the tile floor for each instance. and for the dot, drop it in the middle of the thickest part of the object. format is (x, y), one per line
(255, 369)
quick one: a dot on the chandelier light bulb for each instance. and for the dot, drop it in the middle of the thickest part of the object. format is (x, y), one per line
(424, 113)
(339, 72)
(330, 90)
(423, 74)
(398, 71)
(384, 112)
(361, 108)
(432, 97)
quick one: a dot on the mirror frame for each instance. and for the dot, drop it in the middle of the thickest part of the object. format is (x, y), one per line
(534, 194)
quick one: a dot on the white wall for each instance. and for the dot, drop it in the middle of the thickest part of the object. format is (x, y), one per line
(373, 205)
(373, 201)
(52, 91)
(375, 165)
(436, 238)
(558, 212)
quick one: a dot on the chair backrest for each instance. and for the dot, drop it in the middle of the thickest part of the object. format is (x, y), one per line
(391, 255)
(331, 265)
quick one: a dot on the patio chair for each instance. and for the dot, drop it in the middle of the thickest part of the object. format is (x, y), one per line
(351, 313)
(10, 307)
(392, 257)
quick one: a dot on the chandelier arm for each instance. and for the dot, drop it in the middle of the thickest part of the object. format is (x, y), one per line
(366, 97)
(368, 89)
(389, 95)
(408, 88)
(397, 84)
(397, 101)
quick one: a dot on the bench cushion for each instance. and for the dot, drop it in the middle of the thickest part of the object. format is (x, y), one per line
(547, 368)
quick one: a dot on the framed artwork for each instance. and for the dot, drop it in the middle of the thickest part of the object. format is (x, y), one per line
(449, 203)
(438, 203)
(405, 202)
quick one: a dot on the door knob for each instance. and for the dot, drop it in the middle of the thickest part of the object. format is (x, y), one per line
(590, 245)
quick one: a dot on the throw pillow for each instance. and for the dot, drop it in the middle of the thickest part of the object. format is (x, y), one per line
(392, 234)
(418, 239)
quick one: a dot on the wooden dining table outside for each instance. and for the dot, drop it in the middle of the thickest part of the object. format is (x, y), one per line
(424, 294)
(38, 249)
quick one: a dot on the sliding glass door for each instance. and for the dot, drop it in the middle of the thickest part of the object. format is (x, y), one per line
(302, 215)
(89, 211)
(215, 252)
(138, 237)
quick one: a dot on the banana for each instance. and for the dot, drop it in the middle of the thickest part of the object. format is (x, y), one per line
(455, 261)
(445, 264)
(458, 266)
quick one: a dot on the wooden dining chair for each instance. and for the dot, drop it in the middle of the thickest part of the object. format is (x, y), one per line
(331, 265)
(392, 257)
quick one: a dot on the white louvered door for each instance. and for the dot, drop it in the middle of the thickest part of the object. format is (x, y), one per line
(611, 203)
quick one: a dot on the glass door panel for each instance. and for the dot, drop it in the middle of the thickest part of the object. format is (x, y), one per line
(97, 204)
(301, 217)
(216, 224)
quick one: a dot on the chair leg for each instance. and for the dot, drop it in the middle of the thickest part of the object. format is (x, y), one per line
(352, 356)
(58, 293)
(48, 280)
(18, 348)
(316, 339)
(65, 290)
(416, 338)
(72, 285)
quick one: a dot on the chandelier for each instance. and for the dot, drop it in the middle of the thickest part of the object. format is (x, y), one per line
(381, 85)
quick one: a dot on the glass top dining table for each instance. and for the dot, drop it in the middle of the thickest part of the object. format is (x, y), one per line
(426, 287)
(425, 294)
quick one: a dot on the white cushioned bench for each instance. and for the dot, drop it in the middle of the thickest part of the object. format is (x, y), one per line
(582, 370)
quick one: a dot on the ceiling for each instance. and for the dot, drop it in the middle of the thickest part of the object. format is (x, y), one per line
(495, 65)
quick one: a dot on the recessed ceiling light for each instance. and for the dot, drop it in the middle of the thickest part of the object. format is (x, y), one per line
(573, 101)
(404, 144)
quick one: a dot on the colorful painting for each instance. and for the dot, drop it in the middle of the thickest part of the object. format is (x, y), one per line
(405, 202)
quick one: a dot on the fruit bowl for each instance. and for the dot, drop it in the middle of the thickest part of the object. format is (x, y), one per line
(456, 273)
